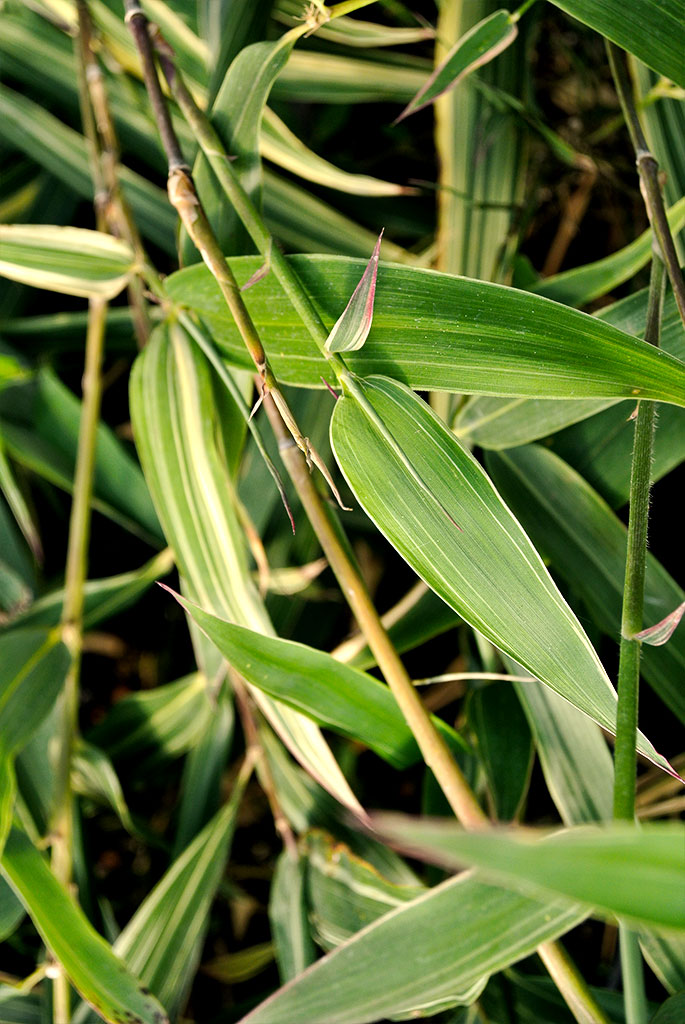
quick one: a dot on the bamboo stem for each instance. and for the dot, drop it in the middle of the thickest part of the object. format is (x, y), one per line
(577, 995)
(648, 169)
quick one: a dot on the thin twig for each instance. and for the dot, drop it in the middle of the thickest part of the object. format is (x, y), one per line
(648, 170)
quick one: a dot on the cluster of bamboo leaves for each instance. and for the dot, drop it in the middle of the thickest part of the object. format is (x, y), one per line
(480, 425)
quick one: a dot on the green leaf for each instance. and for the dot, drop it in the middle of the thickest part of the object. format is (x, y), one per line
(328, 691)
(665, 954)
(568, 522)
(476, 47)
(33, 666)
(175, 421)
(93, 776)
(464, 930)
(63, 259)
(355, 31)
(633, 872)
(654, 32)
(581, 285)
(672, 1011)
(91, 965)
(438, 332)
(351, 329)
(311, 77)
(436, 506)
(11, 910)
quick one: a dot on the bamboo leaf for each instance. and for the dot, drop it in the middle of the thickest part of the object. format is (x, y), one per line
(653, 32)
(438, 332)
(476, 47)
(174, 417)
(620, 869)
(352, 327)
(328, 691)
(416, 482)
(68, 260)
(288, 917)
(377, 974)
(91, 965)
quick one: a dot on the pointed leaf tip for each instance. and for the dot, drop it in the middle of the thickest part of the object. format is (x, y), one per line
(662, 631)
(352, 328)
(478, 46)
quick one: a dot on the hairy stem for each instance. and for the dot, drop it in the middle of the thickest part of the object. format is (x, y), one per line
(648, 170)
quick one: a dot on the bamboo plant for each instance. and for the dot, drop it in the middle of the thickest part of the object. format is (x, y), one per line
(399, 735)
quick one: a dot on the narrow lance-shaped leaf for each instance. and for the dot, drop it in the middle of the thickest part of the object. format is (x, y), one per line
(385, 439)
(621, 869)
(68, 260)
(331, 693)
(91, 965)
(476, 47)
(352, 327)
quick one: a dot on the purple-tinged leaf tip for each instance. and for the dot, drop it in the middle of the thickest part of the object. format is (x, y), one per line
(663, 631)
(353, 326)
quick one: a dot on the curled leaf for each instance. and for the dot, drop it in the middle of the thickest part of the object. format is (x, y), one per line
(352, 328)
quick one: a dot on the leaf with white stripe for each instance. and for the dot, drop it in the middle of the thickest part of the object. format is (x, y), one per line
(174, 419)
(436, 505)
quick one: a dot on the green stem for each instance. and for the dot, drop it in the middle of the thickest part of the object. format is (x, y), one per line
(648, 170)
(634, 999)
(62, 827)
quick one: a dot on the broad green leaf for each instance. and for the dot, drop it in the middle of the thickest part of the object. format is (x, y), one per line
(228, 26)
(351, 329)
(162, 942)
(155, 725)
(464, 930)
(64, 259)
(102, 598)
(283, 148)
(665, 954)
(581, 285)
(91, 965)
(438, 332)
(288, 916)
(33, 666)
(40, 422)
(174, 416)
(478, 46)
(630, 871)
(328, 691)
(504, 745)
(654, 32)
(434, 503)
(569, 522)
(672, 1011)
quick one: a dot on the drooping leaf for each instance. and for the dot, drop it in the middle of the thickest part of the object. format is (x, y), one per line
(331, 693)
(653, 32)
(438, 332)
(476, 47)
(94, 969)
(630, 871)
(434, 503)
(376, 973)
